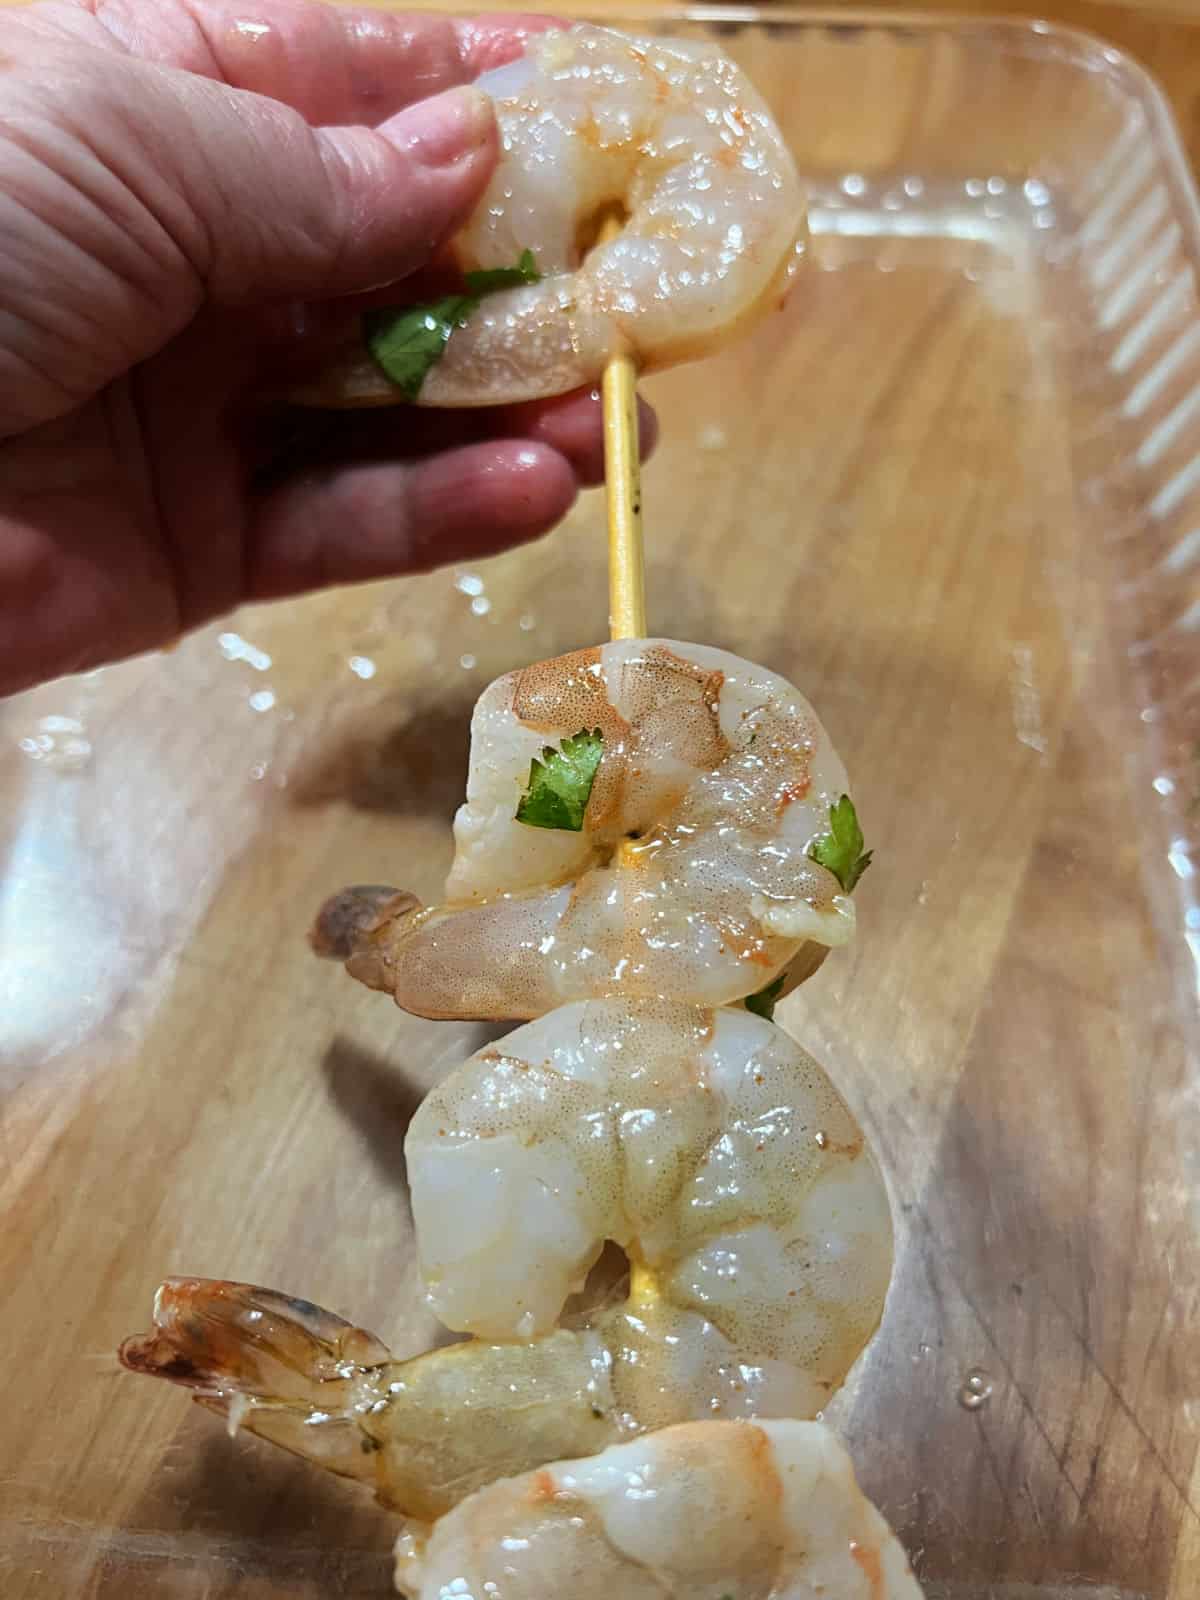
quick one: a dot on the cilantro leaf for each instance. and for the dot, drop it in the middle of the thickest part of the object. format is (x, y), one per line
(407, 340)
(841, 849)
(763, 1003)
(561, 782)
(493, 278)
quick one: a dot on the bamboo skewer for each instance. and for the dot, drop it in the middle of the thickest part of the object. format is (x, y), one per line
(623, 481)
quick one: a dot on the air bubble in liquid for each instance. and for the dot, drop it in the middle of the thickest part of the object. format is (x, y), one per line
(60, 743)
(976, 1390)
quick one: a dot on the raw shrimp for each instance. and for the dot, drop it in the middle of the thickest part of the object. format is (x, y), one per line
(707, 1144)
(690, 876)
(666, 133)
(704, 1511)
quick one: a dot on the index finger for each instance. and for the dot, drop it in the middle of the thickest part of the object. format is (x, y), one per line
(331, 64)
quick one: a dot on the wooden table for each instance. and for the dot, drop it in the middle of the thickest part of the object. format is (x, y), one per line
(900, 492)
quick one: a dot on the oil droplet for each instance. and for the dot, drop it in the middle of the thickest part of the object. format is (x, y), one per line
(976, 1390)
(822, 1139)
(527, 623)
(361, 666)
(854, 184)
(469, 583)
(466, 662)
(262, 700)
(481, 605)
(258, 771)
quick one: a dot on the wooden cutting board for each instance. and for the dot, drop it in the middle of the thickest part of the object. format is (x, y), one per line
(875, 495)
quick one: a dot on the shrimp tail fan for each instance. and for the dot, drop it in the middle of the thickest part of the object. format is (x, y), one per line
(282, 1368)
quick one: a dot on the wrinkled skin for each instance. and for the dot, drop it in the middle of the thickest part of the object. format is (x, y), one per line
(176, 178)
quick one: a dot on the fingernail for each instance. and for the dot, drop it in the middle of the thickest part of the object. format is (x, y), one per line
(445, 128)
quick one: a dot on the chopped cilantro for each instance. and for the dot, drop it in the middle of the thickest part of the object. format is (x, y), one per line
(763, 1003)
(560, 783)
(841, 849)
(493, 278)
(406, 341)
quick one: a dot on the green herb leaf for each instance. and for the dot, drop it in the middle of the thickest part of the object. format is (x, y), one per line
(560, 783)
(763, 1003)
(493, 278)
(407, 340)
(841, 849)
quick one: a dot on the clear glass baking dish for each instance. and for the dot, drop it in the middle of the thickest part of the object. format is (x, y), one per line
(953, 490)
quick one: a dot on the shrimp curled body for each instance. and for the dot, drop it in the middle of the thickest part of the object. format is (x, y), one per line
(691, 875)
(767, 1511)
(708, 1144)
(666, 133)
(710, 1147)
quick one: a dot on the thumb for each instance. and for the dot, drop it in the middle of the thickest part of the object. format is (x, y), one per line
(281, 209)
(132, 193)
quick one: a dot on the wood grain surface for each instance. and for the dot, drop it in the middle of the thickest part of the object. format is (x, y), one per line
(917, 492)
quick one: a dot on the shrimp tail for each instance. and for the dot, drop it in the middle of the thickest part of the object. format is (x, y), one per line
(349, 923)
(421, 1433)
(282, 1368)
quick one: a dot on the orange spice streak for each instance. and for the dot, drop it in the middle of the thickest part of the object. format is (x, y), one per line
(872, 1566)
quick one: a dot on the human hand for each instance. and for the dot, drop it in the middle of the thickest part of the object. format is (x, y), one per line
(176, 177)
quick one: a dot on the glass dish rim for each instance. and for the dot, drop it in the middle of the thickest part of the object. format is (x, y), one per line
(1076, 47)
